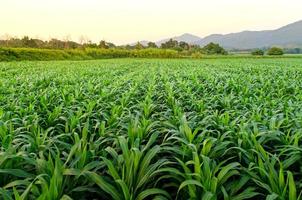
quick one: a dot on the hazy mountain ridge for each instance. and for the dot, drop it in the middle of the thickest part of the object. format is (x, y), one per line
(187, 37)
(289, 35)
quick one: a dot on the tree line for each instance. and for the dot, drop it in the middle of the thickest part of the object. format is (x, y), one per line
(273, 51)
(185, 48)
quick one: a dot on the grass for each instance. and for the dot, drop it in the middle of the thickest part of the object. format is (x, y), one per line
(151, 129)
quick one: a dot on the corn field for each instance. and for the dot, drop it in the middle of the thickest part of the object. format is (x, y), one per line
(134, 129)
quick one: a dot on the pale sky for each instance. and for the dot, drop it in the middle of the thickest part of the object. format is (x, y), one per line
(125, 21)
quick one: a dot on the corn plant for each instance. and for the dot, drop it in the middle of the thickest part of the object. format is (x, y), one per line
(151, 129)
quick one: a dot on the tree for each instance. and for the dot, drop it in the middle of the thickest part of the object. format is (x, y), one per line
(66, 39)
(56, 44)
(7, 38)
(258, 52)
(213, 48)
(90, 44)
(275, 51)
(184, 45)
(111, 45)
(73, 45)
(195, 48)
(138, 46)
(151, 45)
(170, 44)
(293, 50)
(128, 47)
(25, 41)
(103, 45)
(29, 42)
(296, 51)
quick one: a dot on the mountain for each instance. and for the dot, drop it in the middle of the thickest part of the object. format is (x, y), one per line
(187, 37)
(289, 35)
(286, 36)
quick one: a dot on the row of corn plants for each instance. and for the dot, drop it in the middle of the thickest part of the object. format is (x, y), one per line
(151, 129)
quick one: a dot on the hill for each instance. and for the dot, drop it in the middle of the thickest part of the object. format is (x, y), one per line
(286, 36)
(289, 35)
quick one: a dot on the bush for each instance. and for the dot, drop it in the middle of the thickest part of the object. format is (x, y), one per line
(213, 48)
(258, 52)
(18, 54)
(197, 55)
(275, 51)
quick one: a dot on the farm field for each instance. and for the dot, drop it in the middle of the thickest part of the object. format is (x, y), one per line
(138, 129)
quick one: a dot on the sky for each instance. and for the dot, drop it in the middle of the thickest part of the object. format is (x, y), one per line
(127, 21)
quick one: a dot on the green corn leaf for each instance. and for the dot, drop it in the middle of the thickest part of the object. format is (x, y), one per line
(153, 191)
(291, 186)
(107, 187)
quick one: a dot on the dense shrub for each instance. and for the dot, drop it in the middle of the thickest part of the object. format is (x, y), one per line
(213, 48)
(17, 54)
(258, 52)
(155, 53)
(275, 51)
(293, 50)
(197, 55)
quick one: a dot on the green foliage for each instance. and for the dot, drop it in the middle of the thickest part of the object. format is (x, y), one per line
(175, 45)
(275, 51)
(213, 48)
(293, 50)
(152, 45)
(197, 55)
(16, 49)
(184, 45)
(258, 52)
(103, 45)
(27, 42)
(138, 129)
(139, 46)
(19, 54)
(170, 44)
